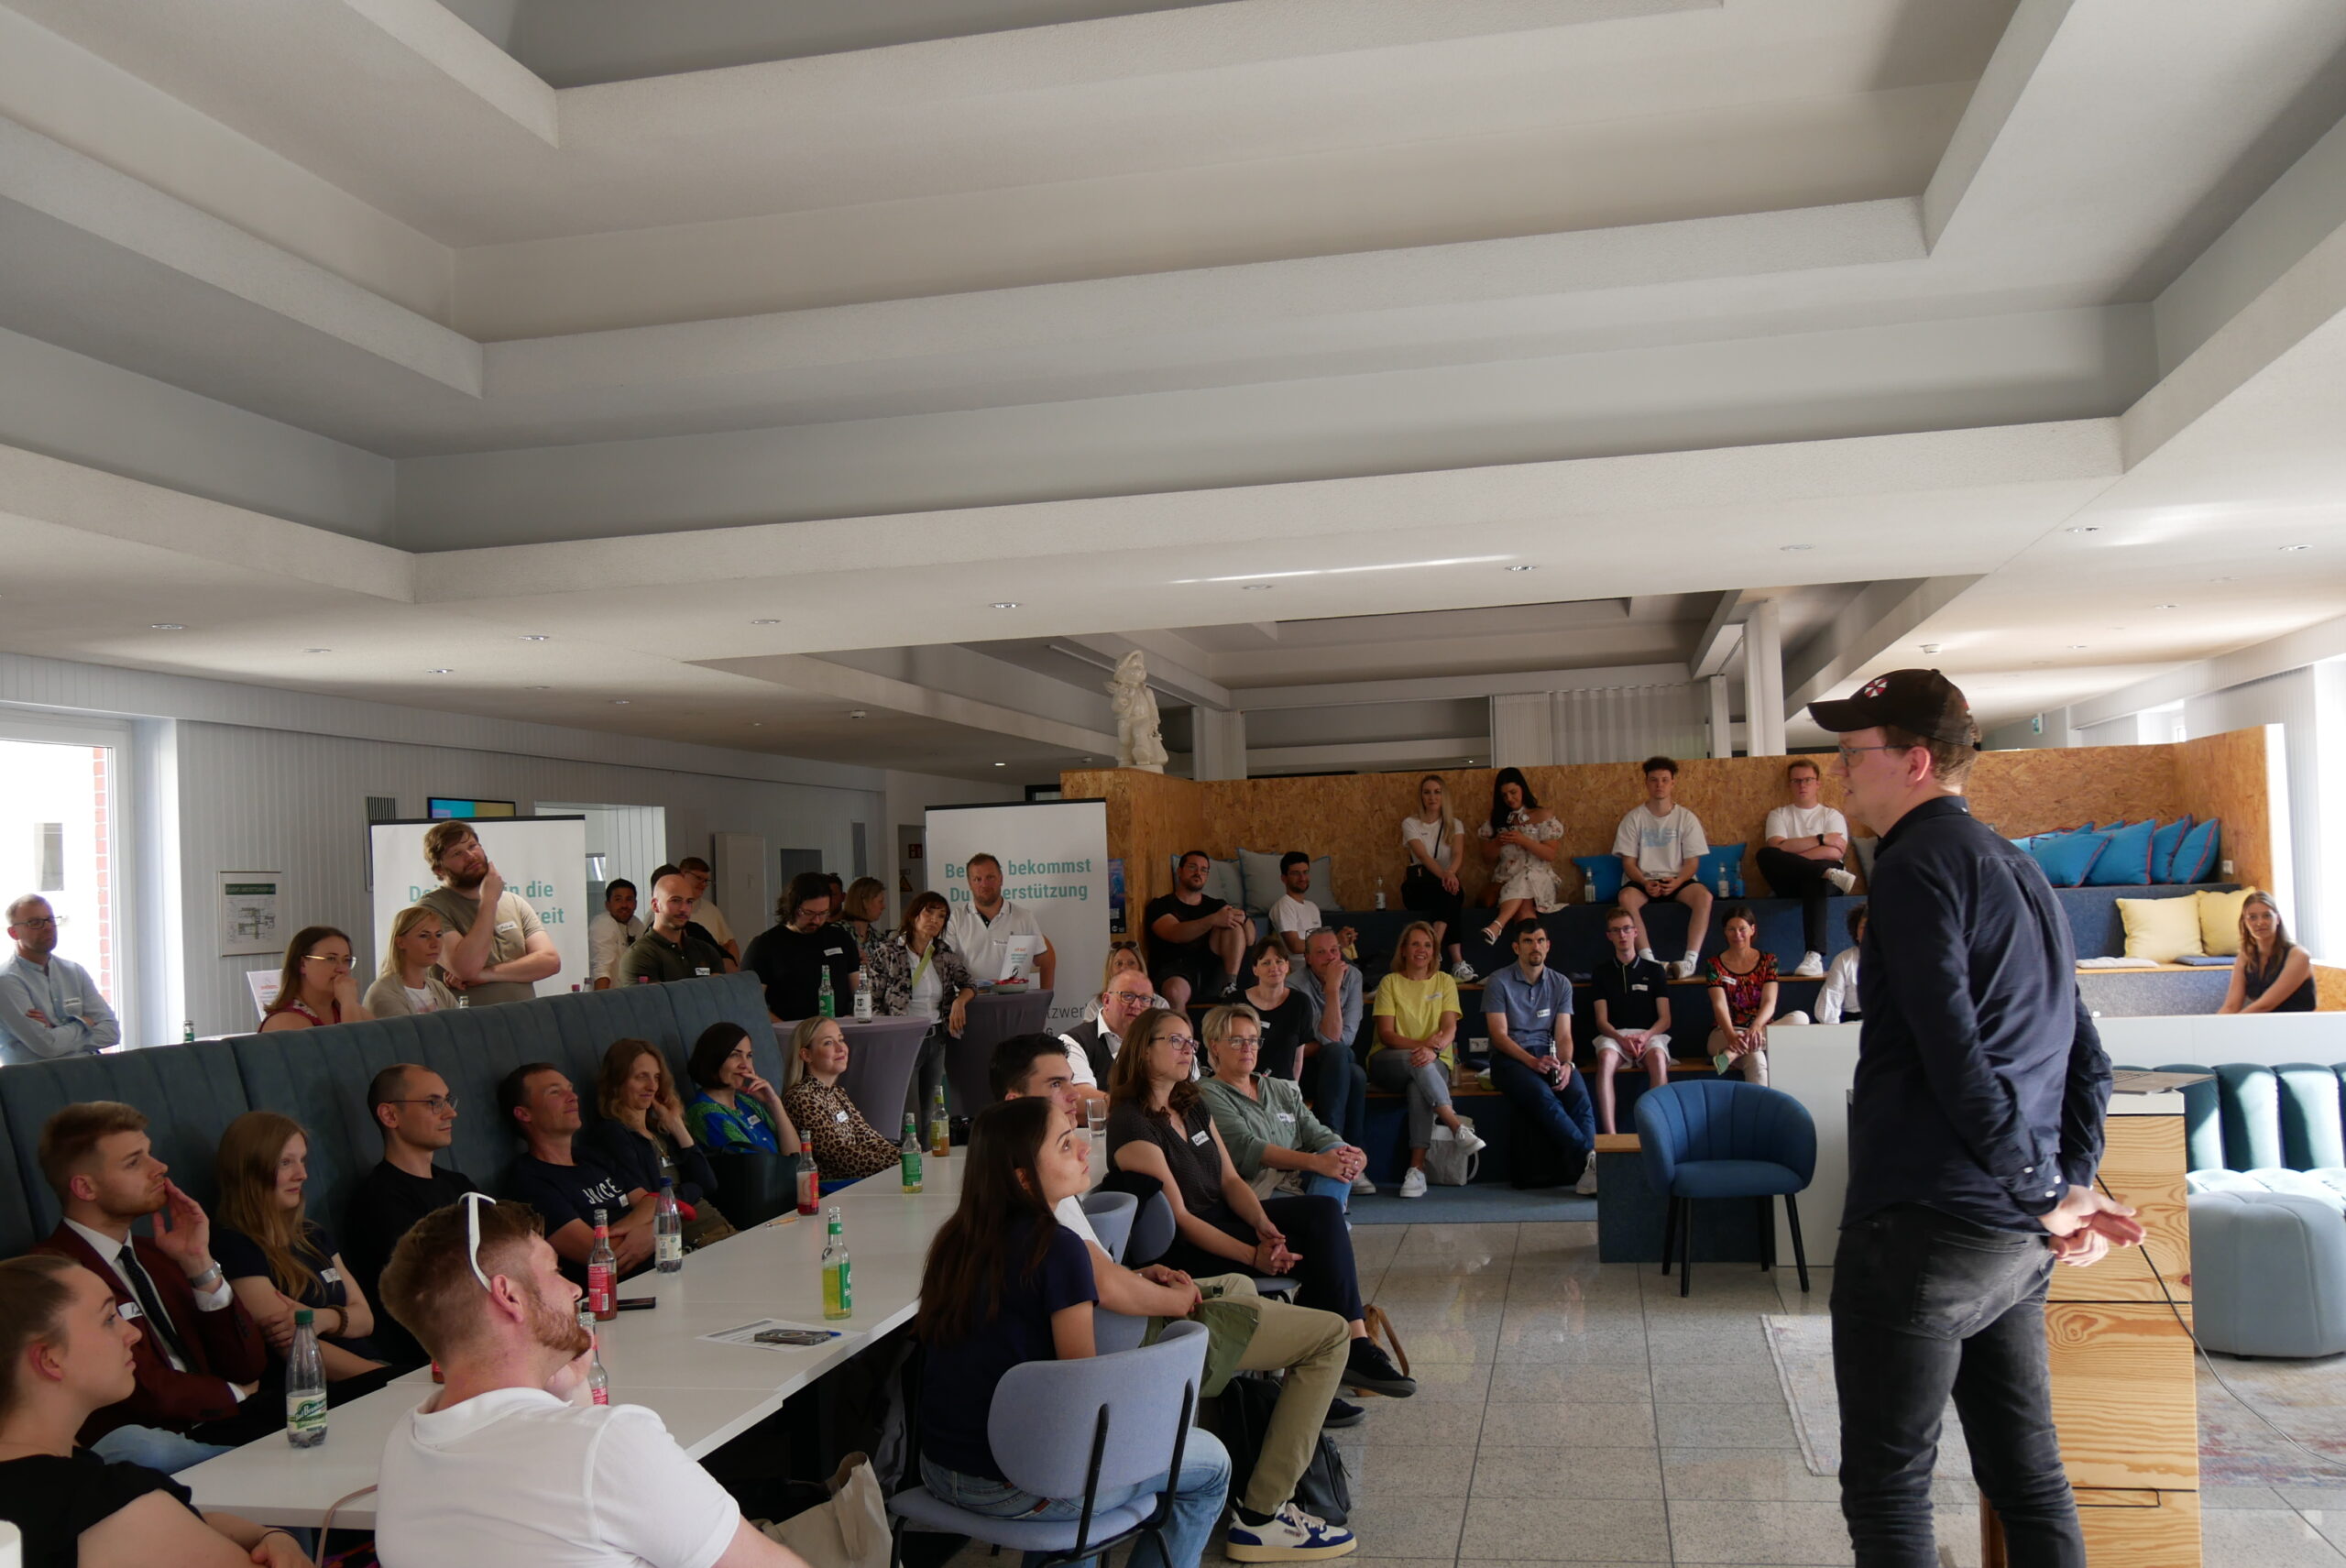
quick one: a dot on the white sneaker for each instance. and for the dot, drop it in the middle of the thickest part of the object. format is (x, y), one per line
(1464, 973)
(1586, 1186)
(1812, 967)
(1645, 955)
(1291, 1536)
(1441, 1135)
(1414, 1184)
(1470, 1142)
(1362, 1187)
(1683, 968)
(1841, 879)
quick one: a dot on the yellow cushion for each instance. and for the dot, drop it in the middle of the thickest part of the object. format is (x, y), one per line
(2219, 920)
(2160, 930)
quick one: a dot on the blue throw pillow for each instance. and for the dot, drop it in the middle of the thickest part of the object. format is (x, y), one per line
(2125, 861)
(2163, 848)
(2196, 856)
(2068, 857)
(1727, 857)
(1603, 874)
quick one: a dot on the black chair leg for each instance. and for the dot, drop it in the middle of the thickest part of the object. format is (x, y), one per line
(1686, 1249)
(1669, 1232)
(1766, 1234)
(1800, 1253)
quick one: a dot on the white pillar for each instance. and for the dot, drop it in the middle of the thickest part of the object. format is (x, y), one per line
(1722, 718)
(1216, 743)
(1763, 682)
(1523, 730)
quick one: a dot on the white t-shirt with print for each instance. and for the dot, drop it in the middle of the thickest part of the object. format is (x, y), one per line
(1300, 915)
(1439, 839)
(1661, 844)
(519, 1476)
(1804, 822)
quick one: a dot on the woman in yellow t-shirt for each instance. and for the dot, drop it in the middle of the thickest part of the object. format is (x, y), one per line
(1416, 1027)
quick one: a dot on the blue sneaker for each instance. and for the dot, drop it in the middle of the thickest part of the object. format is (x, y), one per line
(1291, 1536)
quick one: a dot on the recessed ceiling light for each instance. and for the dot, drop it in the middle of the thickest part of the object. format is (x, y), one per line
(1253, 587)
(165, 626)
(1468, 763)
(757, 724)
(2078, 647)
(1792, 547)
(1526, 566)
(439, 671)
(2086, 528)
(2164, 607)
(859, 713)
(2293, 549)
(1005, 603)
(317, 650)
(765, 622)
(535, 636)
(1001, 764)
(537, 688)
(1928, 647)
(2223, 579)
(619, 702)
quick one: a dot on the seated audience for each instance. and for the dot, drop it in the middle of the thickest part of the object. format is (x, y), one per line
(989, 931)
(865, 914)
(1743, 1000)
(1292, 916)
(1091, 1047)
(315, 987)
(1521, 840)
(662, 872)
(198, 1356)
(1158, 1126)
(1662, 845)
(508, 1461)
(1527, 1011)
(1333, 1076)
(644, 1135)
(1416, 1032)
(673, 947)
(1285, 1017)
(409, 984)
(612, 931)
(1837, 999)
(793, 956)
(2272, 975)
(497, 959)
(65, 1354)
(1004, 1284)
(276, 1258)
(49, 1006)
(1121, 961)
(1808, 842)
(707, 915)
(1434, 845)
(1196, 942)
(417, 1114)
(538, 1101)
(917, 972)
(847, 1147)
(735, 1112)
(1632, 1015)
(1276, 1142)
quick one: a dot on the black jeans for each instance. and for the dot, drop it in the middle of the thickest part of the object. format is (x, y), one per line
(1314, 1227)
(1925, 1305)
(1796, 876)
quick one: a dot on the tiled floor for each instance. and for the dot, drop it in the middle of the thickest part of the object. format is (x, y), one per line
(1568, 1411)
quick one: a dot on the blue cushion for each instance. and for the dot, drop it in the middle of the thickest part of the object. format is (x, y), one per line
(1603, 874)
(2163, 848)
(2195, 856)
(2067, 858)
(1727, 857)
(2125, 860)
(1734, 1179)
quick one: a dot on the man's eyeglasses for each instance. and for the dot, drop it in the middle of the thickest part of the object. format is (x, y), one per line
(35, 920)
(436, 1103)
(338, 962)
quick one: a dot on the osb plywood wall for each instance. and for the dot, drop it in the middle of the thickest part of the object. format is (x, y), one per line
(1356, 818)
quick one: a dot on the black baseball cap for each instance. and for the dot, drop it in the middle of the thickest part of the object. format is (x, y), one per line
(1921, 702)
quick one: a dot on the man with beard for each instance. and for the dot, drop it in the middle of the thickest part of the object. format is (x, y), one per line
(536, 1101)
(48, 1006)
(493, 960)
(506, 1463)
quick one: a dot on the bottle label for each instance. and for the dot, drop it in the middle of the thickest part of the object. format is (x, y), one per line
(602, 1394)
(912, 1171)
(671, 1248)
(838, 1290)
(598, 1289)
(305, 1417)
(863, 1006)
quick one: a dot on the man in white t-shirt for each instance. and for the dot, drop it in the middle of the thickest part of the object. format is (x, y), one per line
(1293, 915)
(1660, 844)
(989, 931)
(706, 913)
(611, 933)
(1808, 842)
(506, 1463)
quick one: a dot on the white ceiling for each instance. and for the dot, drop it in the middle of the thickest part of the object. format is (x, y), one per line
(707, 349)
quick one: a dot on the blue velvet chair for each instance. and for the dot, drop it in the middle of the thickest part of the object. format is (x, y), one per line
(1714, 1138)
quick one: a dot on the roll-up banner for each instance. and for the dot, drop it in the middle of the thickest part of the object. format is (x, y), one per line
(1054, 858)
(544, 859)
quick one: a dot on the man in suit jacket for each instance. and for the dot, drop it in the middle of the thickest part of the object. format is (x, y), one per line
(1091, 1047)
(197, 1354)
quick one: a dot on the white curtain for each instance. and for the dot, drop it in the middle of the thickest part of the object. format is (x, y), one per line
(1627, 724)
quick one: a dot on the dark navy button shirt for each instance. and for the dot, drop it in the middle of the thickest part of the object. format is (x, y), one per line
(1981, 1082)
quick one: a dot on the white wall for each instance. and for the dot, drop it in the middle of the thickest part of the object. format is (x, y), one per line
(908, 797)
(2292, 700)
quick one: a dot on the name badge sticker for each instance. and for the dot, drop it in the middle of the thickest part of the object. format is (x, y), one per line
(840, 1116)
(1546, 1012)
(329, 1276)
(508, 925)
(1287, 1115)
(125, 1310)
(833, 952)
(702, 971)
(1198, 1138)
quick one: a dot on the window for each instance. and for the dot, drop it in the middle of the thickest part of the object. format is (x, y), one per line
(60, 838)
(49, 853)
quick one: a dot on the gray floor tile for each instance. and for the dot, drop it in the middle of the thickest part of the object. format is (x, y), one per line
(1727, 1426)
(1443, 1383)
(1415, 1423)
(1751, 1532)
(1577, 1424)
(1728, 1383)
(1408, 1526)
(2246, 1497)
(1503, 1470)
(1571, 1381)
(2270, 1538)
(1435, 1470)
(1567, 1529)
(1745, 1475)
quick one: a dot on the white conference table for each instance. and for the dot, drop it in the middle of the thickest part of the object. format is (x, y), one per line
(708, 1394)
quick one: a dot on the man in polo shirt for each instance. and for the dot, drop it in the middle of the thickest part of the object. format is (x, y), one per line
(1975, 1129)
(1632, 1015)
(49, 1006)
(984, 930)
(493, 960)
(505, 1461)
(1527, 1011)
(670, 948)
(538, 1101)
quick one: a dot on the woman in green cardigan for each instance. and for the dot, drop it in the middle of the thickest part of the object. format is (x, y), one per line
(1274, 1141)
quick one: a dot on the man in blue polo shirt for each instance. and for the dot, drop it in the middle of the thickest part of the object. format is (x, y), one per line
(1975, 1129)
(1528, 1010)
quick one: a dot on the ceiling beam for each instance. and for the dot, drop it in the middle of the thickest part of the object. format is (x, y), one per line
(1371, 754)
(1166, 673)
(805, 673)
(1873, 622)
(1429, 688)
(1719, 638)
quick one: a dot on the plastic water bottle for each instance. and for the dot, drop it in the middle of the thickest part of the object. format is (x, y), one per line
(668, 1229)
(940, 1126)
(862, 997)
(598, 1382)
(839, 1281)
(810, 1181)
(603, 1272)
(1723, 886)
(305, 1385)
(908, 1154)
(463, 999)
(824, 1002)
(1380, 893)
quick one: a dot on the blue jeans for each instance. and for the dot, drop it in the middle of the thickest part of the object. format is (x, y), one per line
(1334, 1187)
(1340, 1092)
(1925, 1305)
(1562, 1116)
(1197, 1500)
(155, 1448)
